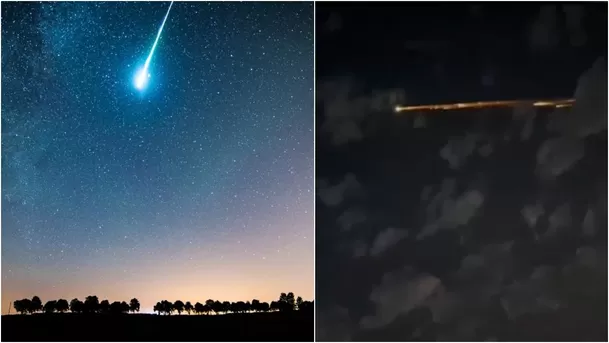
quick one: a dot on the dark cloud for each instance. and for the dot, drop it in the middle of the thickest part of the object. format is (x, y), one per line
(574, 15)
(334, 195)
(386, 239)
(333, 23)
(350, 218)
(588, 116)
(347, 111)
(557, 155)
(544, 34)
(399, 292)
(457, 150)
(454, 212)
(531, 213)
(589, 223)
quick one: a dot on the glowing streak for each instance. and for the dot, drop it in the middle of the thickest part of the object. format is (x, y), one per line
(142, 76)
(487, 104)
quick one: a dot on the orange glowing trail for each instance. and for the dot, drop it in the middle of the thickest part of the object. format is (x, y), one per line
(487, 104)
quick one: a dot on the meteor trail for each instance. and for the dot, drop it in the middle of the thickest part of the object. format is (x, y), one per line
(487, 104)
(142, 75)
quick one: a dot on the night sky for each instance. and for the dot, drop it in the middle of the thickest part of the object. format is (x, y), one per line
(460, 52)
(471, 225)
(199, 186)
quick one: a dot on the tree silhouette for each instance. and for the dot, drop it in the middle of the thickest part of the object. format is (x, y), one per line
(217, 306)
(199, 308)
(287, 302)
(49, 307)
(104, 306)
(167, 307)
(188, 307)
(178, 305)
(62, 305)
(210, 304)
(241, 307)
(264, 307)
(36, 304)
(290, 302)
(238, 307)
(91, 304)
(125, 307)
(22, 306)
(77, 306)
(224, 306)
(256, 305)
(274, 306)
(134, 305)
(306, 306)
(158, 308)
(115, 307)
(282, 302)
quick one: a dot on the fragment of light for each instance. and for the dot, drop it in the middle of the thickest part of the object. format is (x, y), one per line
(486, 104)
(156, 41)
(142, 76)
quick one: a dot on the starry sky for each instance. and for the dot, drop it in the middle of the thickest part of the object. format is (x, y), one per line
(200, 186)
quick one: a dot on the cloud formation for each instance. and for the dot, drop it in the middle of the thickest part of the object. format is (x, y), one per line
(543, 34)
(589, 223)
(333, 324)
(457, 150)
(334, 195)
(399, 292)
(588, 116)
(557, 156)
(350, 218)
(346, 110)
(531, 213)
(574, 15)
(387, 238)
(454, 212)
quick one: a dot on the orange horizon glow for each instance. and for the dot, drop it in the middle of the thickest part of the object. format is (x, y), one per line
(244, 282)
(260, 268)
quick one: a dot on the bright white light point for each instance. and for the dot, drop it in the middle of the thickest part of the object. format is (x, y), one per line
(141, 79)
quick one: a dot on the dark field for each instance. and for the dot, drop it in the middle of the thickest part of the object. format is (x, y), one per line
(274, 326)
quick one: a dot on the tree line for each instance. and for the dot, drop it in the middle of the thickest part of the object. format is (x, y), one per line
(91, 304)
(286, 302)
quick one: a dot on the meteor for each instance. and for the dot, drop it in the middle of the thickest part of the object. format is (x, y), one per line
(487, 104)
(142, 75)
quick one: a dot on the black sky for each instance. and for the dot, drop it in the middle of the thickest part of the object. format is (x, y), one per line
(442, 51)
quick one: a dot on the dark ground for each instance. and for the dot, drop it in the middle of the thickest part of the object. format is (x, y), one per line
(143, 327)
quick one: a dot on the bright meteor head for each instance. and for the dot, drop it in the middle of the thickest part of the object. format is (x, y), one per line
(141, 79)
